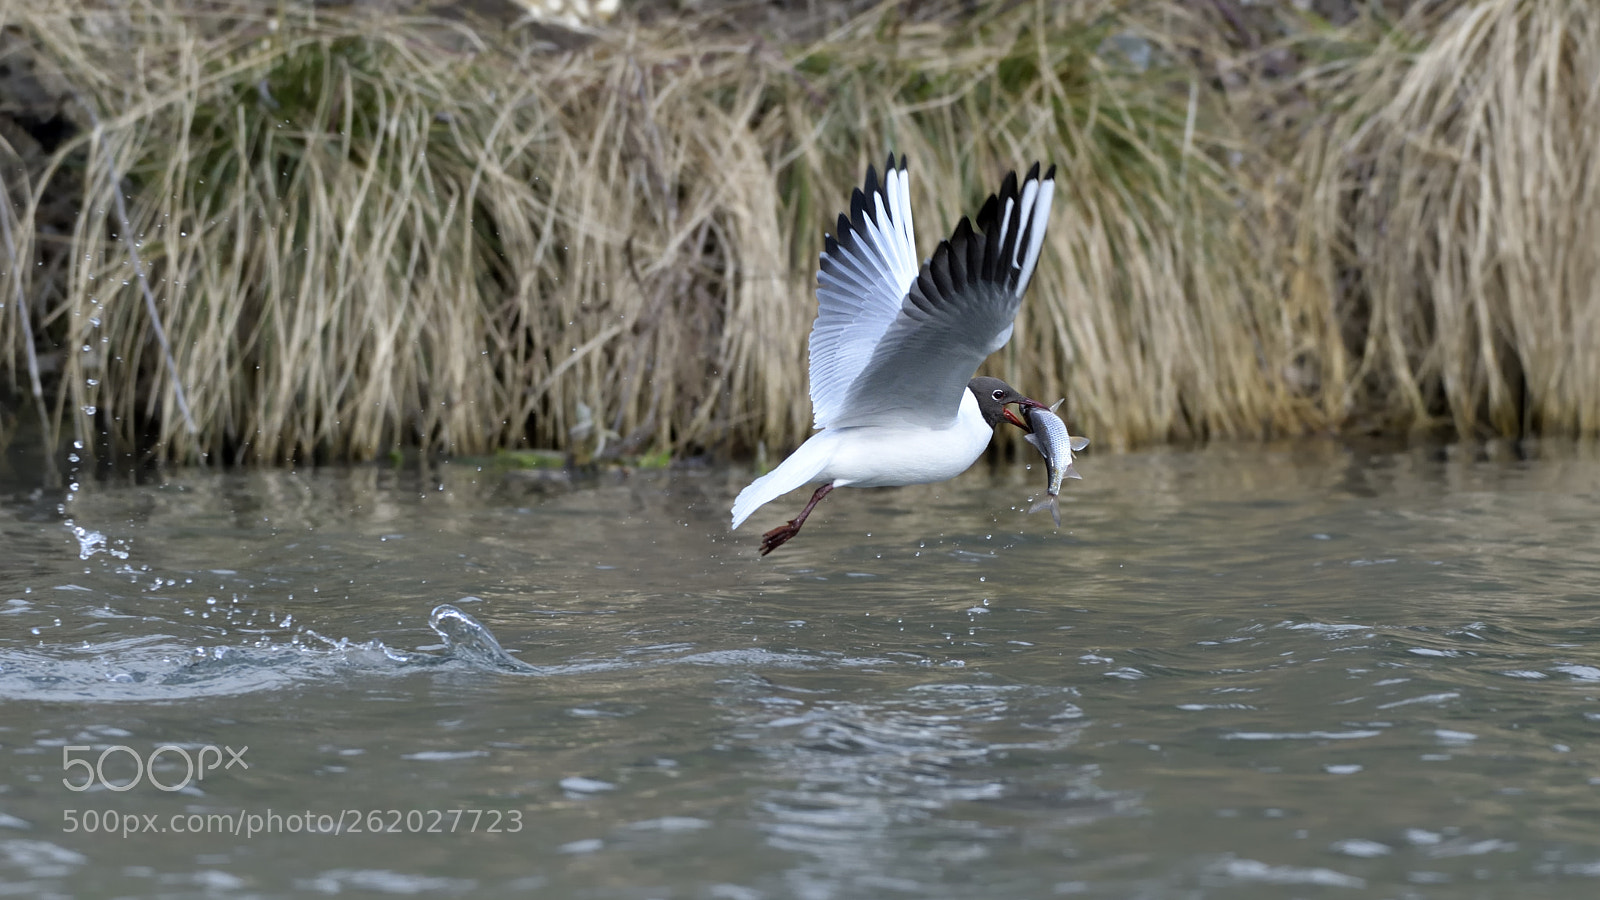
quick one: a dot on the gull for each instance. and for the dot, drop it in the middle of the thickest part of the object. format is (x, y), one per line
(895, 345)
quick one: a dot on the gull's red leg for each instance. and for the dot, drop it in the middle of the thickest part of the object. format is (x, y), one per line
(775, 538)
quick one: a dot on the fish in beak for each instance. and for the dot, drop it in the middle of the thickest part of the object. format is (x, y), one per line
(1022, 421)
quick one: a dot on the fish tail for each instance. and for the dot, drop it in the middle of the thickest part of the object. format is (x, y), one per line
(1052, 503)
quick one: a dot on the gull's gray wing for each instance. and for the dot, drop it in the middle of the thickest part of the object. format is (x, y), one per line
(955, 313)
(864, 275)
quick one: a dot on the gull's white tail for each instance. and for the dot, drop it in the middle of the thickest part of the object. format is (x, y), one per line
(801, 468)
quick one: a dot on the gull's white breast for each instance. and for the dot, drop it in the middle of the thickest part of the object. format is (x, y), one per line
(890, 455)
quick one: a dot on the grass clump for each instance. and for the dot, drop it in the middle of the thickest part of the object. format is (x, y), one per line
(1479, 231)
(1151, 319)
(304, 234)
(1431, 179)
(365, 234)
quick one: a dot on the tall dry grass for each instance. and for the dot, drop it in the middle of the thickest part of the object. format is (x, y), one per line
(362, 233)
(1154, 314)
(1442, 197)
(365, 234)
(1480, 231)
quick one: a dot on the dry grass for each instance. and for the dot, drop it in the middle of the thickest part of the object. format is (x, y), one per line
(363, 235)
(1480, 231)
(1153, 314)
(360, 241)
(1444, 198)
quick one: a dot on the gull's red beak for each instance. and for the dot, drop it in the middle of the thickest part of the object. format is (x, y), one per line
(1016, 420)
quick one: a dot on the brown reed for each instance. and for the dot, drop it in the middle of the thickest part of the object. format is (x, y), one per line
(364, 232)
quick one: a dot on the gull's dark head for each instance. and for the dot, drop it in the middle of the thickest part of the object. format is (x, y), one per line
(995, 396)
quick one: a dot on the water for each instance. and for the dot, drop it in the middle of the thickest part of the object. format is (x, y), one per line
(1296, 671)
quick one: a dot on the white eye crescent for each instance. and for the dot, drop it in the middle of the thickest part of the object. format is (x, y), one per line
(999, 395)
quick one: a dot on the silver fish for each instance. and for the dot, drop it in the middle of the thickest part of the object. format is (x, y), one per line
(1051, 439)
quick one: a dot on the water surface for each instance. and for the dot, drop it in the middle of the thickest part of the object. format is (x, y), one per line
(1301, 670)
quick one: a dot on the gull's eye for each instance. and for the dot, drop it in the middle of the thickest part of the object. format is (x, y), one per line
(999, 395)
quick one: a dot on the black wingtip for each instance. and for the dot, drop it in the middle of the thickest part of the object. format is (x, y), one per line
(1008, 186)
(959, 255)
(989, 215)
(1050, 175)
(963, 231)
(861, 203)
(1033, 172)
(858, 204)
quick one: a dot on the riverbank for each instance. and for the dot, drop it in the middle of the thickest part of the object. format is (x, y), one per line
(266, 234)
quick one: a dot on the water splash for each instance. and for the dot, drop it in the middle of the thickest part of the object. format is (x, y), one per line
(468, 640)
(91, 542)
